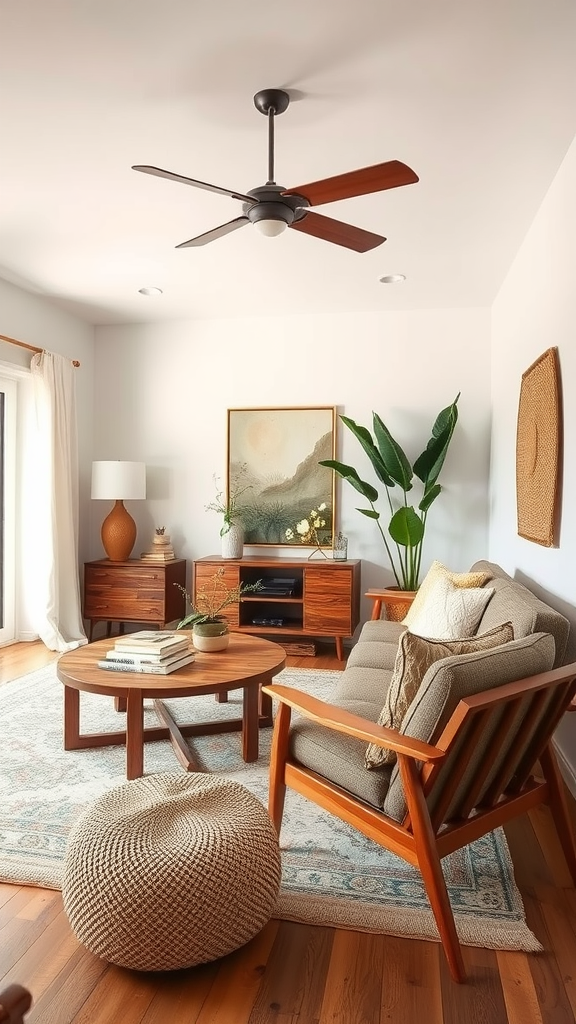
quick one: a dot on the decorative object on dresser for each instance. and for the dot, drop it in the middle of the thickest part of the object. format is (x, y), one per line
(308, 530)
(538, 439)
(275, 454)
(162, 550)
(227, 504)
(209, 626)
(340, 547)
(118, 481)
(307, 599)
(407, 525)
(133, 591)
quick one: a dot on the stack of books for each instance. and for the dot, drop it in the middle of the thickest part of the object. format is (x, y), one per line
(150, 651)
(161, 551)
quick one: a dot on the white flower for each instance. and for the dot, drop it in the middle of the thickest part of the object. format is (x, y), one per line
(321, 507)
(303, 527)
(289, 534)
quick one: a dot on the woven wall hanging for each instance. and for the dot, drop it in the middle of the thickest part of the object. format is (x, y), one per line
(538, 450)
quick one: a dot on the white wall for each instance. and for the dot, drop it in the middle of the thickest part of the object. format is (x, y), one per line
(162, 392)
(34, 320)
(535, 310)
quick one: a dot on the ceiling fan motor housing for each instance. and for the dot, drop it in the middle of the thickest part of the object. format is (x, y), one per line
(271, 204)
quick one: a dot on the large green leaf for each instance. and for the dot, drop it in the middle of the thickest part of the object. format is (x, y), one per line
(428, 465)
(429, 496)
(406, 528)
(349, 473)
(363, 435)
(393, 457)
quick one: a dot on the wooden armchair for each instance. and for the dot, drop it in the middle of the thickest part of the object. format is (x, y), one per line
(474, 778)
(15, 1001)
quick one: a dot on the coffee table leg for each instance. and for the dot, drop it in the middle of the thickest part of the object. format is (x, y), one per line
(134, 735)
(250, 723)
(71, 718)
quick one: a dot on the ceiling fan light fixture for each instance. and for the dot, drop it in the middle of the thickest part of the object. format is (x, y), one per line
(392, 279)
(270, 228)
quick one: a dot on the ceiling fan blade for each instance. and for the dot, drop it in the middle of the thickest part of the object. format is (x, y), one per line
(356, 183)
(335, 231)
(209, 236)
(147, 169)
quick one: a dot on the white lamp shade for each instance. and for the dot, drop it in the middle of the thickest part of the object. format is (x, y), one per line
(119, 480)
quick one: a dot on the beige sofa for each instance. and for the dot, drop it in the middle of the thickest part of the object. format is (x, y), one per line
(540, 642)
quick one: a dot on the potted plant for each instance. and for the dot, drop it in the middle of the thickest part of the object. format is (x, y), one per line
(209, 626)
(228, 506)
(404, 534)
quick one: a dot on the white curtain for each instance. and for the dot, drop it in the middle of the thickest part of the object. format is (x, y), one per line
(57, 614)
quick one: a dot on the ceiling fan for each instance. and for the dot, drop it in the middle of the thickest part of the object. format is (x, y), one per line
(272, 208)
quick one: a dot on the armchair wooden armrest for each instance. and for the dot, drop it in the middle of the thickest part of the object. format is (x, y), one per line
(337, 718)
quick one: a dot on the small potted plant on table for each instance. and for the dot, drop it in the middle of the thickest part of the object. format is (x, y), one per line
(209, 626)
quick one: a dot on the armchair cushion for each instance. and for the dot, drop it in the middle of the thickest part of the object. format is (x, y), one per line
(449, 681)
(337, 757)
(415, 656)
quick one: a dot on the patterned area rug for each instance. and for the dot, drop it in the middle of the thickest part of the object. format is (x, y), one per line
(332, 875)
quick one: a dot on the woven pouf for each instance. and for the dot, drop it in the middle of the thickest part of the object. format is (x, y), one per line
(170, 871)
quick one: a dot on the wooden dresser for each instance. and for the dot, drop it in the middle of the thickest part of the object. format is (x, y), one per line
(133, 591)
(301, 597)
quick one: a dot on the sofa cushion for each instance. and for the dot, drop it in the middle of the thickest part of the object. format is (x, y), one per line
(340, 758)
(451, 612)
(414, 658)
(435, 572)
(452, 679)
(513, 602)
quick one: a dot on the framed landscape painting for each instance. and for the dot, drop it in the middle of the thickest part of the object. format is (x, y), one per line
(273, 457)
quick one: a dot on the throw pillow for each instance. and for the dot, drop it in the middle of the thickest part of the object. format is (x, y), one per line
(414, 658)
(450, 612)
(435, 572)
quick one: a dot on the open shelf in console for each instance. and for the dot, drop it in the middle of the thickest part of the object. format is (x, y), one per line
(299, 597)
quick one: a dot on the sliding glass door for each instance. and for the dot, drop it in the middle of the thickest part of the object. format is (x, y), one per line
(7, 510)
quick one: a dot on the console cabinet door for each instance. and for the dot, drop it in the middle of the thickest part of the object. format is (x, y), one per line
(205, 580)
(328, 601)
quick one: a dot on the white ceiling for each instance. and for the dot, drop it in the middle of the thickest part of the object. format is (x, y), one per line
(477, 97)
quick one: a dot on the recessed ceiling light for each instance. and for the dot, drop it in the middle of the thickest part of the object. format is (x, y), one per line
(393, 278)
(150, 291)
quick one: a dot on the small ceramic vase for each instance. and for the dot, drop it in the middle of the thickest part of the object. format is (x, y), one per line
(233, 541)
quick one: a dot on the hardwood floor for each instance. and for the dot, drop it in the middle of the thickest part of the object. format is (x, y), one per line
(297, 974)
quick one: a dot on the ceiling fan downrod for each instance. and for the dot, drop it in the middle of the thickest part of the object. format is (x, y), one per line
(271, 102)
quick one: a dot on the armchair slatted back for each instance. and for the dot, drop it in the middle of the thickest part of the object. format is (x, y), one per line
(492, 742)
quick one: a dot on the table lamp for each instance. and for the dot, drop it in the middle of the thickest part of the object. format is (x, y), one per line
(118, 481)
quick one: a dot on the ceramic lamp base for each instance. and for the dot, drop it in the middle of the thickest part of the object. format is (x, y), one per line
(118, 533)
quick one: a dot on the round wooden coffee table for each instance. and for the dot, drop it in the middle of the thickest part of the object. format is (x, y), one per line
(248, 663)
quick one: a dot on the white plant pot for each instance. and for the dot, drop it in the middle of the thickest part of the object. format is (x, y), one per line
(233, 541)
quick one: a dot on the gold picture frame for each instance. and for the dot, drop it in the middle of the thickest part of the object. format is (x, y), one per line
(273, 463)
(538, 440)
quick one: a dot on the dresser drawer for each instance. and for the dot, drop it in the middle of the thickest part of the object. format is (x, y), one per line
(134, 591)
(151, 578)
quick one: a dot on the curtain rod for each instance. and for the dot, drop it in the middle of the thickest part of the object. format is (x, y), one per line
(32, 348)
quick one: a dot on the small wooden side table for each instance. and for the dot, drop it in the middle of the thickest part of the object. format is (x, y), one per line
(396, 602)
(133, 591)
